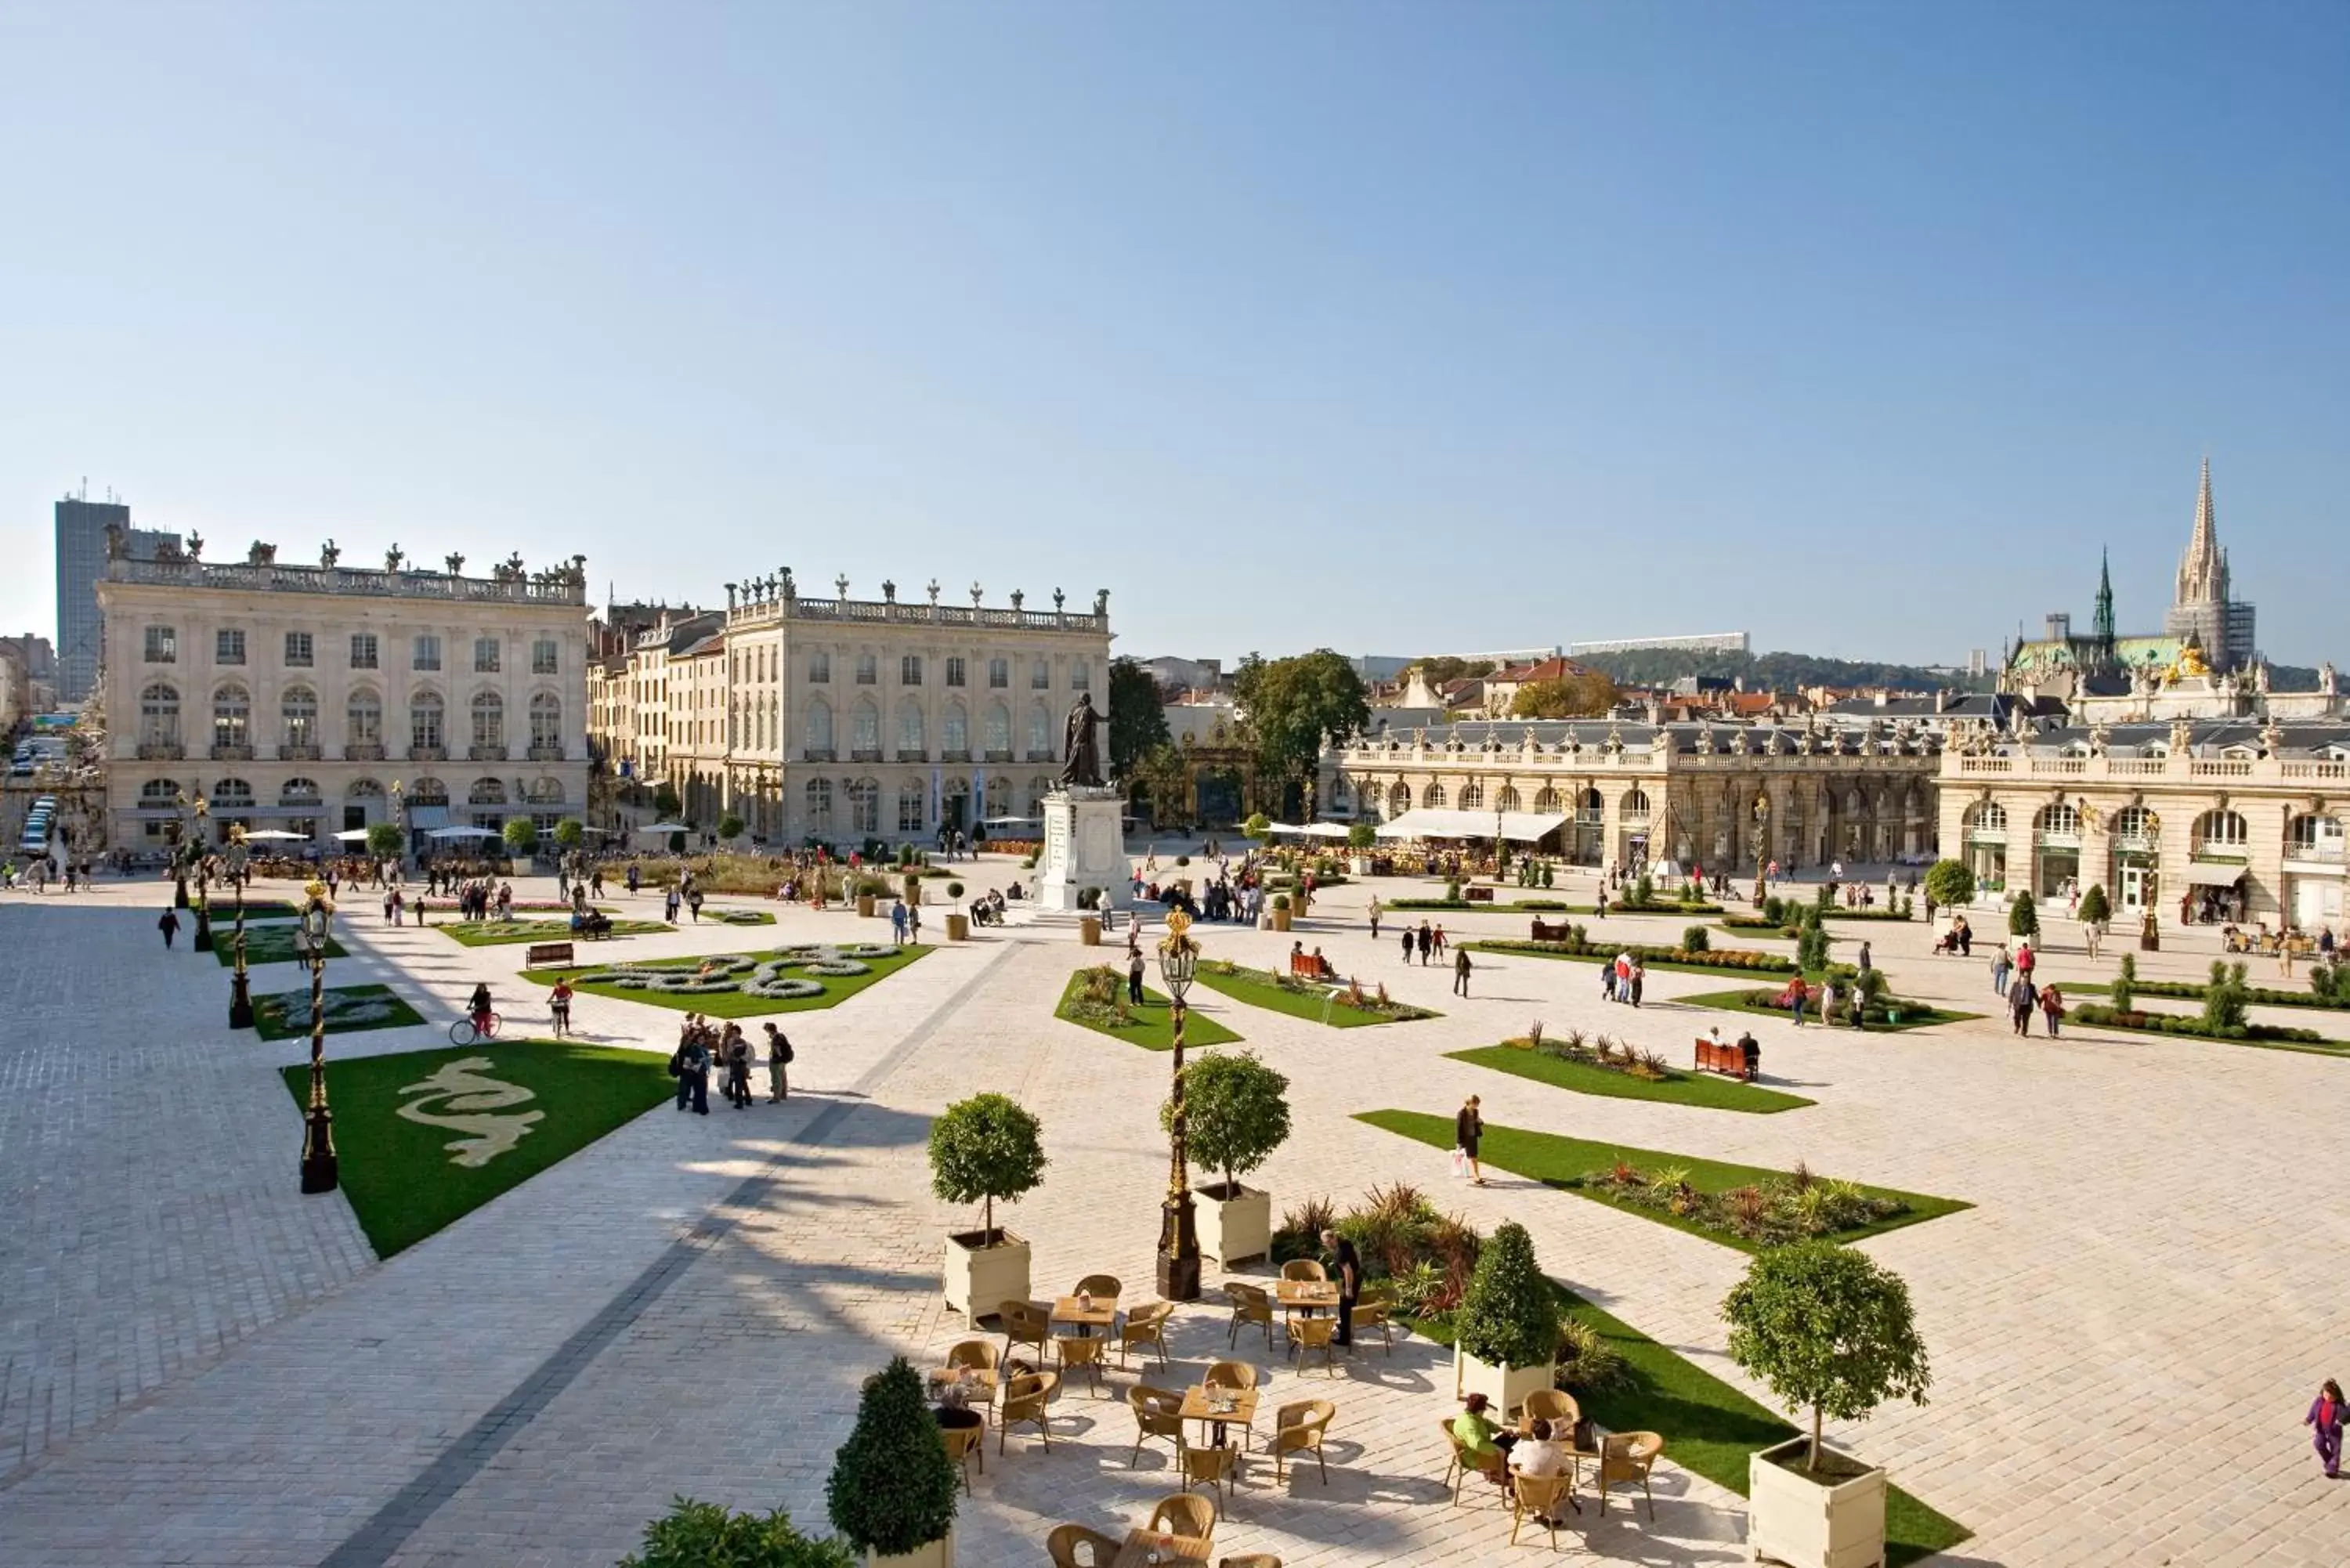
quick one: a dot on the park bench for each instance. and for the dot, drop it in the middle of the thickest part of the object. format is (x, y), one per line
(1310, 966)
(558, 953)
(1724, 1056)
(1478, 895)
(1557, 933)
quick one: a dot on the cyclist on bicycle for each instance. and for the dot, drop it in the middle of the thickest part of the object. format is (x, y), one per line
(478, 1008)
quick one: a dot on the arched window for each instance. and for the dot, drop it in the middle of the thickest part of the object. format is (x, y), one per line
(428, 792)
(913, 805)
(426, 729)
(954, 730)
(546, 719)
(820, 797)
(363, 719)
(1472, 795)
(2060, 820)
(297, 717)
(544, 791)
(867, 738)
(231, 717)
(1039, 788)
(2134, 822)
(1507, 799)
(2221, 832)
(999, 796)
(299, 792)
(1432, 797)
(486, 792)
(999, 732)
(159, 715)
(1987, 817)
(1588, 808)
(363, 789)
(156, 793)
(489, 720)
(1398, 799)
(232, 794)
(909, 727)
(1546, 801)
(1634, 807)
(864, 807)
(819, 740)
(1040, 732)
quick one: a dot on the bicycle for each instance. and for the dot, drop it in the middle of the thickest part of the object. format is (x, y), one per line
(465, 1032)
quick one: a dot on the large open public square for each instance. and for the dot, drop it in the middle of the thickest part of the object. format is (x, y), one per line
(204, 1366)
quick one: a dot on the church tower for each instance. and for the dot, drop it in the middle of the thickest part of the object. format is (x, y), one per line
(2102, 627)
(2201, 606)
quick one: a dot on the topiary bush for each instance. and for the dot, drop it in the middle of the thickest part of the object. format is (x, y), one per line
(2096, 907)
(730, 826)
(2125, 991)
(1510, 1315)
(1949, 882)
(2023, 915)
(2227, 1003)
(701, 1534)
(1695, 940)
(1235, 1113)
(893, 1488)
(1828, 1330)
(983, 1148)
(522, 837)
(954, 890)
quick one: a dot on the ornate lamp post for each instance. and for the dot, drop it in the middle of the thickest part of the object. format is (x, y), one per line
(1179, 1242)
(319, 1172)
(1761, 842)
(203, 939)
(240, 994)
(180, 849)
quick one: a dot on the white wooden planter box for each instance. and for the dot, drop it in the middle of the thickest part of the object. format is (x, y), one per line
(1505, 1387)
(980, 1280)
(1232, 1229)
(1795, 1520)
(939, 1553)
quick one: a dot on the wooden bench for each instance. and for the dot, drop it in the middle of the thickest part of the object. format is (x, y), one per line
(1557, 933)
(547, 952)
(1310, 966)
(1724, 1057)
(1478, 895)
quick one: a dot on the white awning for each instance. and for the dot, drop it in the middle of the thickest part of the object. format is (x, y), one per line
(1517, 826)
(2201, 876)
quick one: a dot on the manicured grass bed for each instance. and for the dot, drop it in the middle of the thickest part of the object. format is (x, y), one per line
(262, 944)
(714, 916)
(402, 1174)
(2189, 1026)
(1154, 1025)
(2192, 990)
(1775, 968)
(1917, 1015)
(1564, 1162)
(1709, 1089)
(1464, 907)
(496, 933)
(350, 1009)
(1709, 1427)
(1260, 988)
(879, 962)
(225, 909)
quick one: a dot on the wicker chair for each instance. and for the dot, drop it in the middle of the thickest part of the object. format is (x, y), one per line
(1025, 1323)
(979, 1359)
(1310, 1335)
(1627, 1457)
(1375, 1309)
(1463, 1464)
(1026, 1398)
(1304, 1268)
(1251, 1304)
(1251, 1559)
(1099, 1285)
(1157, 1413)
(962, 1442)
(1554, 1405)
(1082, 1350)
(1298, 1429)
(1540, 1496)
(1184, 1514)
(1145, 1326)
(1229, 1375)
(1213, 1466)
(1074, 1546)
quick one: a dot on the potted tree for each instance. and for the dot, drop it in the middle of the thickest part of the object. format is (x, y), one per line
(1281, 911)
(983, 1148)
(522, 838)
(1361, 839)
(892, 1490)
(730, 829)
(1505, 1343)
(1236, 1113)
(1825, 1328)
(958, 922)
(2097, 909)
(1950, 884)
(2024, 916)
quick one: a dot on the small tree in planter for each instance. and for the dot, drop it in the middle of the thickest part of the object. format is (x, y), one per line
(983, 1148)
(892, 1490)
(730, 826)
(1236, 1113)
(385, 840)
(958, 921)
(521, 837)
(1506, 1331)
(1281, 911)
(1828, 1329)
(696, 1534)
(569, 833)
(1362, 836)
(1259, 826)
(1950, 884)
(2125, 991)
(2023, 915)
(2096, 907)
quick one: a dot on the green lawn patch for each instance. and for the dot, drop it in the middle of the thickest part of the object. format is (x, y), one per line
(500, 1112)
(350, 1009)
(1710, 1427)
(714, 916)
(1570, 1163)
(1150, 1026)
(225, 909)
(2192, 990)
(713, 984)
(1708, 1089)
(1914, 1014)
(496, 933)
(1729, 962)
(264, 944)
(1464, 907)
(2191, 1026)
(1303, 998)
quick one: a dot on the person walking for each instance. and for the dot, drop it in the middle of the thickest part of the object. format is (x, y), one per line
(693, 903)
(1407, 944)
(1375, 917)
(1639, 978)
(779, 1062)
(2091, 935)
(170, 926)
(1347, 1265)
(898, 922)
(2000, 970)
(914, 925)
(558, 1002)
(1427, 943)
(2052, 1007)
(697, 1072)
(1798, 993)
(2025, 960)
(668, 906)
(1134, 976)
(1864, 957)
(1460, 973)
(1468, 1127)
(2020, 999)
(1439, 939)
(677, 1062)
(1608, 981)
(2326, 1415)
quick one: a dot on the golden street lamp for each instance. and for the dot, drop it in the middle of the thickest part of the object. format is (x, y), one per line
(320, 1171)
(240, 992)
(203, 939)
(1178, 1242)
(1761, 842)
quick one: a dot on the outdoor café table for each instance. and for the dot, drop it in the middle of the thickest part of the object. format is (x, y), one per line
(1307, 1296)
(1141, 1546)
(1197, 1406)
(1101, 1315)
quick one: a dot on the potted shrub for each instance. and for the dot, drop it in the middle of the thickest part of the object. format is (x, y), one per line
(1505, 1341)
(730, 827)
(1361, 839)
(983, 1148)
(2024, 916)
(913, 888)
(2096, 907)
(696, 1534)
(1235, 1115)
(958, 923)
(1828, 1329)
(1950, 885)
(892, 1490)
(522, 838)
(1281, 911)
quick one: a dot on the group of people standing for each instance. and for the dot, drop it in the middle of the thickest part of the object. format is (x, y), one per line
(704, 1048)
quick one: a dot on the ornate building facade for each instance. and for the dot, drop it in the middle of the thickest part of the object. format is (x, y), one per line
(318, 699)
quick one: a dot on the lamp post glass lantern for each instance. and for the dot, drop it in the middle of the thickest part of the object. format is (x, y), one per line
(320, 1171)
(1179, 1241)
(240, 992)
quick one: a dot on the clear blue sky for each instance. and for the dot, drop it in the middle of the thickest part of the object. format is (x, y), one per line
(1399, 328)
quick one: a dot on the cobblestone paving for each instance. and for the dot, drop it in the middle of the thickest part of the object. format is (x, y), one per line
(2124, 1330)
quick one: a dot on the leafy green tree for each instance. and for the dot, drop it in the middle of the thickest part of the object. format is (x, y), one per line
(1362, 835)
(1291, 703)
(2023, 915)
(385, 840)
(1949, 883)
(2226, 999)
(1509, 1315)
(1138, 717)
(1259, 826)
(666, 805)
(1581, 696)
(1235, 1113)
(983, 1148)
(893, 1488)
(2125, 991)
(1829, 1331)
(521, 836)
(703, 1534)
(568, 833)
(730, 826)
(2096, 907)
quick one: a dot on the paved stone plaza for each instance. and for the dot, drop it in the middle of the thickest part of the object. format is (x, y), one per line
(202, 1367)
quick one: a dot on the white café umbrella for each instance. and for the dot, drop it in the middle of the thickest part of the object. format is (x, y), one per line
(275, 836)
(465, 832)
(1325, 829)
(666, 827)
(352, 835)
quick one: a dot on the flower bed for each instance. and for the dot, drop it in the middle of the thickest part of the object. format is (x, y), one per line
(1604, 1066)
(1727, 961)
(1462, 906)
(349, 1010)
(1876, 1014)
(1424, 1257)
(1096, 998)
(1796, 1207)
(1351, 1007)
(738, 985)
(2257, 996)
(496, 933)
(2102, 1017)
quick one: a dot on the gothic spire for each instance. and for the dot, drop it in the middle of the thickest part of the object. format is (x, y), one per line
(2203, 570)
(2102, 626)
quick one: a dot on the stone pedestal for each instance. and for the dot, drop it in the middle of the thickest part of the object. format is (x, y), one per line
(1084, 846)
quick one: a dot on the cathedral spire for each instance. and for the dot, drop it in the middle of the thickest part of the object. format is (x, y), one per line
(2203, 570)
(2102, 628)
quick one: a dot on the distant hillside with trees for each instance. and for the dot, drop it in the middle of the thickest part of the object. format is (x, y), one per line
(1771, 671)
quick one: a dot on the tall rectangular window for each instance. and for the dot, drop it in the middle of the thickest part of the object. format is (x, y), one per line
(485, 656)
(162, 645)
(954, 670)
(363, 654)
(228, 647)
(1081, 674)
(819, 669)
(425, 652)
(869, 670)
(543, 656)
(909, 669)
(1040, 674)
(297, 650)
(999, 673)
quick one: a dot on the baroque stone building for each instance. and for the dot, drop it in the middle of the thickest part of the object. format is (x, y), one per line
(318, 699)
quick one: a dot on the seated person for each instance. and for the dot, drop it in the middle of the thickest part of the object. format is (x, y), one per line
(1322, 970)
(1015, 892)
(1483, 1446)
(1750, 1052)
(597, 923)
(578, 921)
(1538, 1455)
